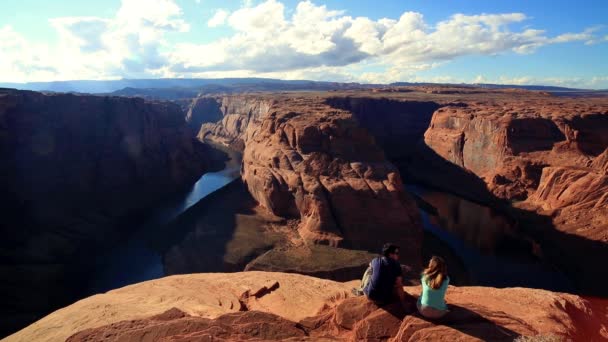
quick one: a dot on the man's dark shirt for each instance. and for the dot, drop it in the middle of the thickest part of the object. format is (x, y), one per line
(382, 283)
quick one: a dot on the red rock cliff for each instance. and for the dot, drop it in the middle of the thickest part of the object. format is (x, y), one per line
(306, 160)
(224, 120)
(550, 152)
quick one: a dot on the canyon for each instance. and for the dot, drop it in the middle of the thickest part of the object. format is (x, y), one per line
(76, 170)
(540, 160)
(321, 187)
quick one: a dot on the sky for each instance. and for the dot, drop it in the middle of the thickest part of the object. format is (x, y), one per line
(563, 43)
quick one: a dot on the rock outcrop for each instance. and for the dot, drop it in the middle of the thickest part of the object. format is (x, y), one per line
(277, 306)
(508, 144)
(551, 153)
(313, 162)
(306, 160)
(323, 158)
(74, 170)
(64, 153)
(397, 125)
(224, 120)
(541, 159)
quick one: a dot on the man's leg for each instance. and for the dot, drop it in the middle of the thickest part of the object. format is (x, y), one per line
(364, 281)
(407, 300)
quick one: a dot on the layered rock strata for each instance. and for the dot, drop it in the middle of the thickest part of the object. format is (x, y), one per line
(315, 163)
(551, 153)
(224, 120)
(277, 306)
(67, 153)
(308, 161)
(74, 170)
(512, 149)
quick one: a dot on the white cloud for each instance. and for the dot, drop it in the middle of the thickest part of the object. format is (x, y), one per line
(587, 36)
(128, 45)
(159, 14)
(218, 18)
(83, 32)
(262, 19)
(18, 57)
(573, 82)
(311, 41)
(266, 40)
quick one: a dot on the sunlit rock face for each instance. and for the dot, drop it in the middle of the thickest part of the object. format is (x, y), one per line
(306, 160)
(318, 164)
(551, 153)
(278, 306)
(224, 120)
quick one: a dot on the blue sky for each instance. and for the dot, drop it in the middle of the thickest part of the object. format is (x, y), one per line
(520, 42)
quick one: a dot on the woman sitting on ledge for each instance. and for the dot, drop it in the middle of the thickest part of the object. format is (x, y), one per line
(435, 280)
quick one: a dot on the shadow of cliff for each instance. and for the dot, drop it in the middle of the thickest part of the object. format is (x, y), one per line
(399, 127)
(51, 241)
(471, 323)
(578, 257)
(204, 238)
(463, 320)
(426, 167)
(581, 259)
(396, 125)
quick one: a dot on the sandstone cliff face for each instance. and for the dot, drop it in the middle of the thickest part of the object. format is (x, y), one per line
(67, 156)
(308, 161)
(224, 120)
(277, 306)
(552, 153)
(73, 167)
(73, 148)
(547, 156)
(397, 125)
(307, 154)
(313, 162)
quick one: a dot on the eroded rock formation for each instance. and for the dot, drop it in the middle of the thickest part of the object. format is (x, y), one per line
(224, 120)
(66, 152)
(74, 168)
(277, 306)
(318, 164)
(549, 152)
(305, 160)
(322, 159)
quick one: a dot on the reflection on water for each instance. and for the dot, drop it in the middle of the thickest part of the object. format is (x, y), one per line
(492, 249)
(136, 259)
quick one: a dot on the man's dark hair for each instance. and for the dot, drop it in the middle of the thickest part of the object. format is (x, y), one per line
(388, 249)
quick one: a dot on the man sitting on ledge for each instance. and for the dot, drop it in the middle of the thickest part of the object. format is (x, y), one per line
(385, 283)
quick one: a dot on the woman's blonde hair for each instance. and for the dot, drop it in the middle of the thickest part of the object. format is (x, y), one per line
(436, 273)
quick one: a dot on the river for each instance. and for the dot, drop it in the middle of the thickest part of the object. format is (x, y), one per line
(482, 246)
(137, 258)
(489, 246)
